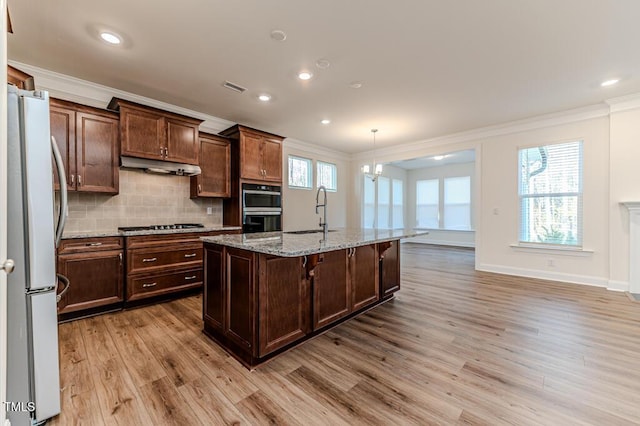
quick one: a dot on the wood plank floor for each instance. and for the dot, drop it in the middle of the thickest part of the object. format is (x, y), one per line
(455, 346)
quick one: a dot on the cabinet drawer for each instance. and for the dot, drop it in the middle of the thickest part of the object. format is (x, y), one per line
(154, 259)
(154, 285)
(84, 245)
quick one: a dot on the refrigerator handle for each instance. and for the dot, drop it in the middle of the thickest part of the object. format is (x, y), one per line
(62, 179)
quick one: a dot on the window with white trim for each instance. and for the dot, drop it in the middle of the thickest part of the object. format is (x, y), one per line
(382, 202)
(550, 192)
(327, 175)
(300, 172)
(457, 203)
(397, 212)
(428, 203)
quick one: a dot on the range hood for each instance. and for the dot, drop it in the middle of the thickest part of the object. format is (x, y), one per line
(160, 167)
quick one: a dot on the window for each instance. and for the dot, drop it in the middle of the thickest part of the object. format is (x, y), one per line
(327, 175)
(457, 203)
(369, 204)
(299, 172)
(550, 191)
(382, 203)
(427, 203)
(397, 213)
(384, 196)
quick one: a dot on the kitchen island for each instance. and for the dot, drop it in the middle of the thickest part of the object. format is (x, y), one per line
(267, 292)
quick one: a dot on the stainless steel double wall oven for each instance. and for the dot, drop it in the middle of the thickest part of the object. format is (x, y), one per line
(261, 208)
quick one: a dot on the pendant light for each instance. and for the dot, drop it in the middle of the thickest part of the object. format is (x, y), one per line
(377, 168)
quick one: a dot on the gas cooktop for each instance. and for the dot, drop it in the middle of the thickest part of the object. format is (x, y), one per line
(160, 227)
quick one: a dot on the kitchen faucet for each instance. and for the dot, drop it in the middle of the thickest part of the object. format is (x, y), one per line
(324, 226)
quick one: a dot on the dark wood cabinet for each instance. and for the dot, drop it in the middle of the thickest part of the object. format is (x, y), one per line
(94, 267)
(331, 288)
(257, 305)
(151, 133)
(285, 302)
(389, 268)
(215, 163)
(259, 154)
(88, 142)
(214, 295)
(20, 79)
(239, 297)
(363, 276)
(159, 265)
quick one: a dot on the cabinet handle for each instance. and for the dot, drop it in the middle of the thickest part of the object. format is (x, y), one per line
(166, 152)
(152, 259)
(94, 244)
(161, 152)
(190, 255)
(304, 261)
(79, 180)
(73, 180)
(147, 285)
(120, 257)
(190, 278)
(199, 188)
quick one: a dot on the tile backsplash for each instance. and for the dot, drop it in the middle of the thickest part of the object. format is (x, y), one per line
(144, 199)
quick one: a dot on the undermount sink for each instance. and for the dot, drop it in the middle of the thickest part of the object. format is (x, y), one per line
(307, 231)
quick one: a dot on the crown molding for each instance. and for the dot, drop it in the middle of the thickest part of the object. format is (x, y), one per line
(315, 149)
(624, 103)
(93, 94)
(528, 124)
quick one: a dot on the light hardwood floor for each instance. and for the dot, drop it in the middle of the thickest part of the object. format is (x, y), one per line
(455, 346)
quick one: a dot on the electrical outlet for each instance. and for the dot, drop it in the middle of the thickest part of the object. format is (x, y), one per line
(209, 210)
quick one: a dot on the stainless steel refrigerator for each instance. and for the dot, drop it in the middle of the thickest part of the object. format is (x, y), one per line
(33, 374)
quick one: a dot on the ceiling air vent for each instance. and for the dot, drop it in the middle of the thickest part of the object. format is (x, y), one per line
(234, 87)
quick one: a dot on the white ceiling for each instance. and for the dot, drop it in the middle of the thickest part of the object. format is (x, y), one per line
(467, 156)
(429, 68)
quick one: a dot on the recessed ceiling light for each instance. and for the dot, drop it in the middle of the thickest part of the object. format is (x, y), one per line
(355, 84)
(323, 64)
(305, 75)
(438, 157)
(278, 35)
(609, 82)
(326, 121)
(264, 97)
(110, 37)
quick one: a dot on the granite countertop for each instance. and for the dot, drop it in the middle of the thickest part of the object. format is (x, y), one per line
(117, 233)
(292, 245)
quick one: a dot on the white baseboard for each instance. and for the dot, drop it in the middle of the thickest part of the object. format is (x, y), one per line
(441, 243)
(618, 285)
(546, 275)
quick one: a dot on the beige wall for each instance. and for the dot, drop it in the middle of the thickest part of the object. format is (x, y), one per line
(624, 186)
(499, 210)
(299, 204)
(144, 199)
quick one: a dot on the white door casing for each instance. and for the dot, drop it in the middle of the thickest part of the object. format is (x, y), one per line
(3, 213)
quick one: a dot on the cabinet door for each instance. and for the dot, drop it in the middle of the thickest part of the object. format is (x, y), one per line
(142, 133)
(272, 160)
(251, 156)
(63, 129)
(182, 142)
(215, 162)
(95, 279)
(214, 294)
(97, 153)
(331, 291)
(239, 289)
(389, 268)
(284, 309)
(363, 275)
